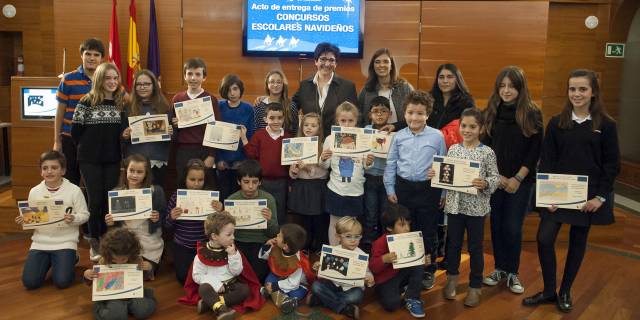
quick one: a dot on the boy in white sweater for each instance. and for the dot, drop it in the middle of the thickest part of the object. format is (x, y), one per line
(55, 247)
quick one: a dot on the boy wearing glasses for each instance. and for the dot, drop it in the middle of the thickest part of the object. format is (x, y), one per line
(323, 92)
(339, 297)
(375, 196)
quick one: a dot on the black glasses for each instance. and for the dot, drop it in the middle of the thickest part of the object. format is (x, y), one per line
(144, 85)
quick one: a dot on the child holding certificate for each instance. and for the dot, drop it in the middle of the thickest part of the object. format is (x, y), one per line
(265, 146)
(189, 140)
(136, 174)
(221, 280)
(581, 140)
(375, 196)
(147, 99)
(389, 281)
(54, 248)
(121, 246)
(467, 211)
(339, 297)
(405, 176)
(346, 181)
(308, 188)
(187, 233)
(236, 111)
(250, 241)
(289, 270)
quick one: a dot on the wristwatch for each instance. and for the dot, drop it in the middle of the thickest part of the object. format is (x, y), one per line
(602, 199)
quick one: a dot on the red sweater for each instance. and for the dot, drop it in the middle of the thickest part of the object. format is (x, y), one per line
(382, 272)
(263, 148)
(194, 135)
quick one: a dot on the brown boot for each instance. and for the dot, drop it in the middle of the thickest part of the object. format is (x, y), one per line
(473, 297)
(449, 291)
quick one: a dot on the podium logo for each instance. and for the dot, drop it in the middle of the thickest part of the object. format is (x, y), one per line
(37, 100)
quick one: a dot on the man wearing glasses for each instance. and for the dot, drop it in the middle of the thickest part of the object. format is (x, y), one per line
(323, 92)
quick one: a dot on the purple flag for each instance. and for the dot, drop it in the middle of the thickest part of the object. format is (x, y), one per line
(153, 53)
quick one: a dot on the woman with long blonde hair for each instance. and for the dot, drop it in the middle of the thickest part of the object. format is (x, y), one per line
(96, 129)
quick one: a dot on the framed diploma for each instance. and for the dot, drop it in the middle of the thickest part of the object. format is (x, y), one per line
(408, 247)
(194, 112)
(561, 190)
(455, 174)
(303, 149)
(195, 204)
(350, 142)
(343, 266)
(248, 213)
(131, 204)
(149, 128)
(380, 143)
(117, 281)
(222, 135)
(42, 213)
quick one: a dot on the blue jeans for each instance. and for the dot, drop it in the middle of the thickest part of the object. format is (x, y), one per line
(298, 293)
(333, 297)
(375, 199)
(507, 215)
(62, 264)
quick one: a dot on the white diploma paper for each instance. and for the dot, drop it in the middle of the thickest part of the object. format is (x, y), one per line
(42, 213)
(455, 174)
(149, 128)
(350, 142)
(380, 143)
(222, 135)
(562, 190)
(194, 112)
(248, 213)
(343, 266)
(408, 247)
(131, 204)
(195, 204)
(117, 281)
(301, 148)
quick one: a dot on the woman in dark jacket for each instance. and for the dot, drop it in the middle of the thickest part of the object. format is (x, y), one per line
(581, 140)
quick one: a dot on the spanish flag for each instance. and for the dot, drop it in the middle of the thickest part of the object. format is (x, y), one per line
(133, 55)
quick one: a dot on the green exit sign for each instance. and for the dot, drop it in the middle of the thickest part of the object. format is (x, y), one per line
(614, 50)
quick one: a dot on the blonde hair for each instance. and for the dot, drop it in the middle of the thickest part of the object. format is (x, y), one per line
(216, 221)
(346, 224)
(347, 107)
(312, 115)
(284, 96)
(96, 94)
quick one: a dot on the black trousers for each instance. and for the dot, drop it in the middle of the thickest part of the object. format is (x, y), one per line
(158, 175)
(182, 260)
(70, 153)
(99, 179)
(547, 234)
(251, 250)
(457, 224)
(389, 291)
(423, 204)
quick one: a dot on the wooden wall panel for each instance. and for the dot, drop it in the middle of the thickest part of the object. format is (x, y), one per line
(98, 13)
(481, 37)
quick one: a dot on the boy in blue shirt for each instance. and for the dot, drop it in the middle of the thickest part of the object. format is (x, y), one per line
(405, 177)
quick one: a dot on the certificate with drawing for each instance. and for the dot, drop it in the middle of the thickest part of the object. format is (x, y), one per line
(248, 213)
(117, 281)
(149, 128)
(303, 149)
(350, 142)
(195, 204)
(221, 135)
(194, 112)
(380, 143)
(408, 247)
(455, 174)
(42, 213)
(131, 204)
(343, 266)
(561, 190)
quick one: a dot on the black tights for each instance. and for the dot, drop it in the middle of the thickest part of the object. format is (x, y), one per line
(547, 234)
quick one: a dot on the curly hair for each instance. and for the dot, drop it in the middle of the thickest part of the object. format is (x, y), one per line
(120, 242)
(216, 221)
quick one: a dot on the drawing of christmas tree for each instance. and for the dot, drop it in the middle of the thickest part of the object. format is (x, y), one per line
(412, 250)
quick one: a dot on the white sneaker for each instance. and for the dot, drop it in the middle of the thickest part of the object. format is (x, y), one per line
(494, 277)
(514, 283)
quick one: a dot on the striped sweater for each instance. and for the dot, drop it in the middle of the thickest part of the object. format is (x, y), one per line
(186, 233)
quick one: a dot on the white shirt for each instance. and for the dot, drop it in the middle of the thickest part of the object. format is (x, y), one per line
(347, 173)
(216, 276)
(293, 281)
(322, 92)
(393, 118)
(575, 118)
